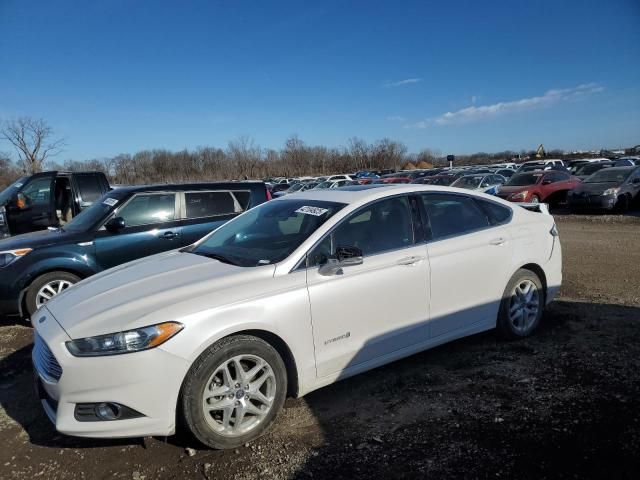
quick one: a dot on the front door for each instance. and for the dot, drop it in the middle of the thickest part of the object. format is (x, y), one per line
(151, 227)
(381, 306)
(35, 207)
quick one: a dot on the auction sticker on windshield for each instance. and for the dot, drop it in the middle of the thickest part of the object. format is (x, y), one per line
(110, 201)
(315, 211)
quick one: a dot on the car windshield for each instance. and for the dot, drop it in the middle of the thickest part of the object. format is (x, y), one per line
(295, 187)
(12, 189)
(266, 234)
(90, 217)
(590, 168)
(324, 185)
(444, 181)
(522, 179)
(468, 181)
(610, 175)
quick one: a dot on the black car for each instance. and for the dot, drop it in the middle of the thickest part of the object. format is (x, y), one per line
(608, 188)
(124, 225)
(586, 170)
(48, 199)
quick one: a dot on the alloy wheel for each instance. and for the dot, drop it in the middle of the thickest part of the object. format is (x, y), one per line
(524, 306)
(50, 290)
(239, 395)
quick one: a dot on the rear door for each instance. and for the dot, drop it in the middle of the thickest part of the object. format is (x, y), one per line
(151, 226)
(469, 254)
(204, 211)
(36, 206)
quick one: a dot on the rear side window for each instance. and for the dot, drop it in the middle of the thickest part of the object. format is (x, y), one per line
(209, 204)
(498, 214)
(90, 187)
(451, 215)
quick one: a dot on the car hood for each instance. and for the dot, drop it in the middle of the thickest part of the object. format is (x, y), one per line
(152, 290)
(595, 187)
(39, 239)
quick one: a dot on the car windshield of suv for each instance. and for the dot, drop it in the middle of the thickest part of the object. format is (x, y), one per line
(468, 182)
(610, 175)
(266, 234)
(90, 217)
(12, 189)
(522, 179)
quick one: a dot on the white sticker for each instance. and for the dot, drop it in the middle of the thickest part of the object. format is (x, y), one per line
(18, 185)
(315, 211)
(110, 201)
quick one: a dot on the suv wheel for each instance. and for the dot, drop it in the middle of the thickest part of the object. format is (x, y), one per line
(47, 286)
(522, 305)
(233, 392)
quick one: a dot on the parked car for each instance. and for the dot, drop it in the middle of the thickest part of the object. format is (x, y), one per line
(442, 179)
(505, 172)
(539, 186)
(126, 224)
(624, 162)
(610, 188)
(333, 178)
(487, 183)
(292, 189)
(280, 187)
(540, 165)
(332, 184)
(48, 199)
(219, 333)
(393, 179)
(586, 170)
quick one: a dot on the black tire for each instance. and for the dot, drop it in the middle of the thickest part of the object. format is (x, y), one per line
(623, 204)
(30, 299)
(190, 408)
(505, 327)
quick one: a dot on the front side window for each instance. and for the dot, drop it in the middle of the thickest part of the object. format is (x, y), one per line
(266, 234)
(382, 226)
(38, 191)
(451, 215)
(208, 204)
(146, 209)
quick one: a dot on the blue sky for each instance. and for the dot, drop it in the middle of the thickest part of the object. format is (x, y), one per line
(117, 76)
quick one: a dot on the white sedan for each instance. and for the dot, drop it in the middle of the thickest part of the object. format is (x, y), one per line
(290, 296)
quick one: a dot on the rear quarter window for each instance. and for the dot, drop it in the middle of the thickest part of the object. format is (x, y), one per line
(209, 204)
(497, 214)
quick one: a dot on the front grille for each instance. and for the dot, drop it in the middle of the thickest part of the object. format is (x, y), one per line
(44, 361)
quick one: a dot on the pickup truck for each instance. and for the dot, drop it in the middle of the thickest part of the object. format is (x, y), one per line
(48, 199)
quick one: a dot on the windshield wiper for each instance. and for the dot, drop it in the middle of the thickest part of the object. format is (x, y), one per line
(216, 256)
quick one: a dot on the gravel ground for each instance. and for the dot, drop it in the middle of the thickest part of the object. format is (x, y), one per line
(562, 404)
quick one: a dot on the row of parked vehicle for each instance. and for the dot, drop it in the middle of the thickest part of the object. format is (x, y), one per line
(581, 184)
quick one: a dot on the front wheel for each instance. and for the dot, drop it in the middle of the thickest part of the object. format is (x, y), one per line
(233, 392)
(522, 305)
(47, 286)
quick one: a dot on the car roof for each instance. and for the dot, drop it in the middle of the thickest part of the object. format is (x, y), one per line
(364, 193)
(181, 187)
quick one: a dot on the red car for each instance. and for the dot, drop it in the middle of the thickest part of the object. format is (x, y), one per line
(393, 180)
(549, 186)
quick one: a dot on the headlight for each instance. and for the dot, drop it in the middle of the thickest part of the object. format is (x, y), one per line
(612, 191)
(520, 196)
(9, 256)
(124, 342)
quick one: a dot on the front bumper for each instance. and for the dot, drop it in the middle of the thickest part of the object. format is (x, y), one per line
(148, 382)
(584, 200)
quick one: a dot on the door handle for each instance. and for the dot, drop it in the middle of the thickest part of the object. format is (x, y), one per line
(498, 241)
(168, 235)
(409, 260)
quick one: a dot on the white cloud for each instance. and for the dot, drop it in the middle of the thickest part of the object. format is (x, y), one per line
(473, 113)
(396, 118)
(401, 83)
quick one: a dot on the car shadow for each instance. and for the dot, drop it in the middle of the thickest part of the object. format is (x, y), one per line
(562, 403)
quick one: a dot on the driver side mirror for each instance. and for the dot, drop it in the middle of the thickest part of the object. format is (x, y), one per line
(21, 202)
(115, 225)
(344, 257)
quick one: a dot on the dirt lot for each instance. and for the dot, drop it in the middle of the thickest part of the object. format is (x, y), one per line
(563, 404)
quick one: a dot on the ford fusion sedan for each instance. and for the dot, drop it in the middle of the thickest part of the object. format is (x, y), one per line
(126, 224)
(609, 188)
(217, 334)
(547, 186)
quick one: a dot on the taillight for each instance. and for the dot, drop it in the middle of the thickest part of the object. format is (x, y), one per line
(269, 197)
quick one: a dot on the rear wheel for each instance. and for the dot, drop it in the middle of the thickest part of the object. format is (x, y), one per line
(47, 286)
(233, 392)
(522, 305)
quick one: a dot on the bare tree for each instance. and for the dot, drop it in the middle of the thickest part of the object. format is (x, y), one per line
(32, 140)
